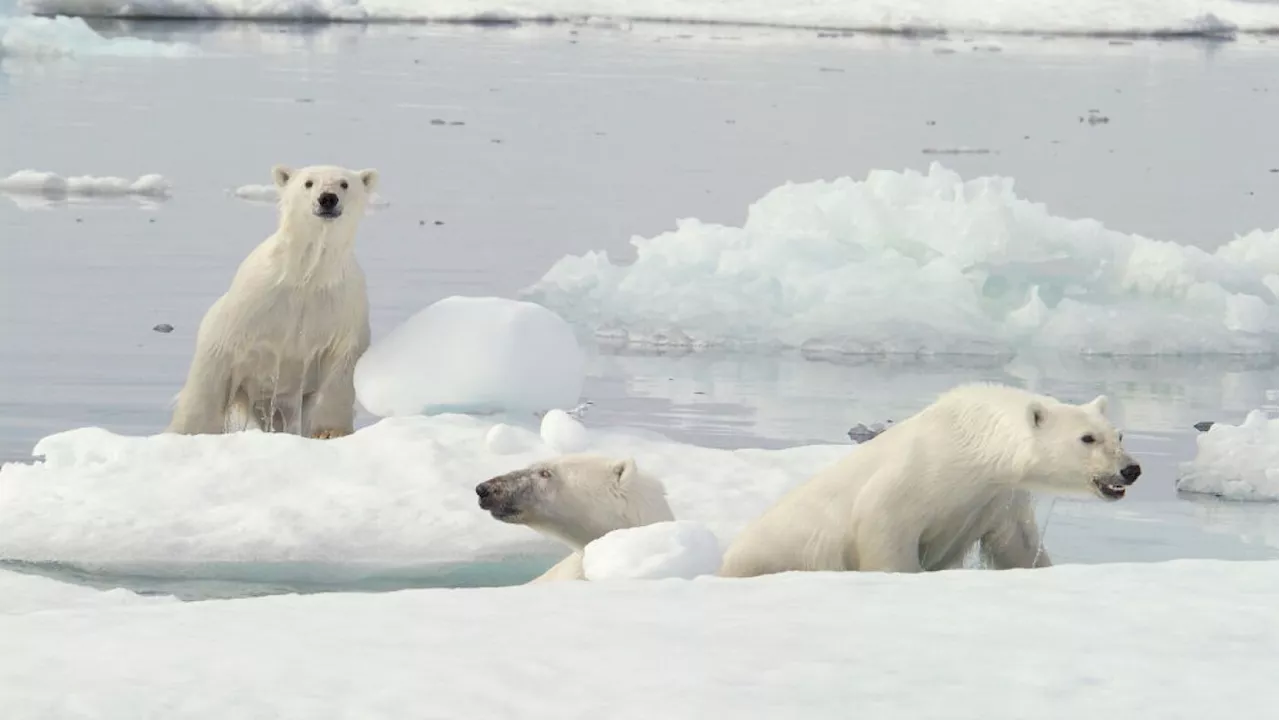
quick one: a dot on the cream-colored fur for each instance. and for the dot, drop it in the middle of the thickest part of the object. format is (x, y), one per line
(280, 347)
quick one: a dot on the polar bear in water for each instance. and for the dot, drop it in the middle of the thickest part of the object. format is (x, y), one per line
(575, 499)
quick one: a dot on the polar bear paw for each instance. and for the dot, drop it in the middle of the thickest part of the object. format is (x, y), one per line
(329, 434)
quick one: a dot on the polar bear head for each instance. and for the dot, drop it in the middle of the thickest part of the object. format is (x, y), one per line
(1077, 450)
(576, 498)
(323, 194)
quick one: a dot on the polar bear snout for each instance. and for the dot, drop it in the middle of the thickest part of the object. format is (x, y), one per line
(328, 206)
(1129, 473)
(502, 497)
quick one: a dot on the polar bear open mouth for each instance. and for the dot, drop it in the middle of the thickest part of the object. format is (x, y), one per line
(1107, 489)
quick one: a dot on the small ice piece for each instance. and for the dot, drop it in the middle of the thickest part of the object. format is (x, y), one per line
(35, 182)
(1236, 462)
(472, 355)
(504, 439)
(675, 549)
(562, 433)
(1204, 425)
(861, 433)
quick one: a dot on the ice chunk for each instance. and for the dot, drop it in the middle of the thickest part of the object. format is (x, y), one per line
(472, 355)
(1214, 18)
(677, 549)
(563, 433)
(1237, 462)
(910, 263)
(34, 182)
(45, 37)
(504, 439)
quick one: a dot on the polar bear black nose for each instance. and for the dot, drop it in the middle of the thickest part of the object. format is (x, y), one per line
(327, 200)
(483, 490)
(1130, 472)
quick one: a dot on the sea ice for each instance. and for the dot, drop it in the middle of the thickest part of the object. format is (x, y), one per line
(1236, 462)
(1165, 640)
(1080, 17)
(472, 355)
(908, 264)
(47, 37)
(22, 593)
(678, 549)
(399, 492)
(34, 182)
(563, 433)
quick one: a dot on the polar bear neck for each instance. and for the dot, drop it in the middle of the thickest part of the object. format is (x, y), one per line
(312, 255)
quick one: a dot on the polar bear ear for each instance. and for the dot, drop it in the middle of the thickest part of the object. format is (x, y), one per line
(624, 469)
(281, 174)
(1035, 414)
(369, 178)
(1099, 404)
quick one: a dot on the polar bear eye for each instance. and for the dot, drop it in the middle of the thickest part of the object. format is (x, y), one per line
(344, 185)
(308, 184)
(545, 474)
(1088, 439)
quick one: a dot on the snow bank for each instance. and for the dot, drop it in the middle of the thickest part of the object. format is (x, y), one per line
(44, 37)
(21, 593)
(1162, 640)
(679, 549)
(472, 355)
(34, 182)
(1085, 17)
(909, 263)
(1237, 462)
(399, 492)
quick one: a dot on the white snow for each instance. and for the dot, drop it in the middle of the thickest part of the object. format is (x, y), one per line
(21, 593)
(504, 439)
(45, 37)
(562, 433)
(1079, 17)
(1236, 462)
(910, 263)
(398, 492)
(473, 355)
(35, 182)
(270, 194)
(1168, 640)
(678, 549)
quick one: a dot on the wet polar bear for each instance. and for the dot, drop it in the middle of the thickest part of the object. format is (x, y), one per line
(575, 499)
(921, 494)
(280, 347)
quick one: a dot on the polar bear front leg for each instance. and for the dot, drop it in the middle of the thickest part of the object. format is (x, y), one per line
(203, 402)
(1014, 542)
(330, 412)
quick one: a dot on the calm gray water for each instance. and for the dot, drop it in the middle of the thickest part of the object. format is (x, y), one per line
(579, 138)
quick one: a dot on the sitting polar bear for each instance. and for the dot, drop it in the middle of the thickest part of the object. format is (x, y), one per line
(921, 494)
(575, 499)
(281, 346)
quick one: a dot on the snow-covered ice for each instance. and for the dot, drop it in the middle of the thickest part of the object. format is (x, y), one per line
(1082, 17)
(1236, 462)
(472, 354)
(909, 263)
(49, 37)
(398, 492)
(22, 593)
(676, 549)
(48, 184)
(1170, 640)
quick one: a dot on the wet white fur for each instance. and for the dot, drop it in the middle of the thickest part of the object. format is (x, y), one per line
(280, 347)
(921, 494)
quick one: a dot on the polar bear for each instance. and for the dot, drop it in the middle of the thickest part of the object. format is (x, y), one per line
(922, 493)
(575, 499)
(280, 347)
